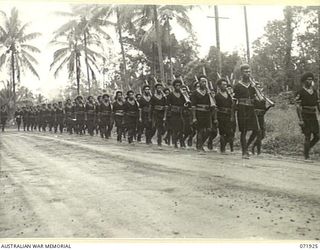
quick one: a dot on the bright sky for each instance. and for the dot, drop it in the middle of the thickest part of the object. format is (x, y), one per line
(232, 33)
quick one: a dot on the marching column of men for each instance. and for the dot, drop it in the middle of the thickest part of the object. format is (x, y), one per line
(176, 115)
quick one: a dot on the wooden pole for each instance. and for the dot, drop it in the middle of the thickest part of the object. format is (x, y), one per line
(247, 33)
(216, 17)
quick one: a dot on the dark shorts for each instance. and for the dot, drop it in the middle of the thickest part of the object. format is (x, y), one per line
(247, 120)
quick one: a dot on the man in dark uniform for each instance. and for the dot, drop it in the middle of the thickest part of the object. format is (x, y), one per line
(3, 117)
(131, 114)
(18, 116)
(26, 120)
(167, 138)
(50, 116)
(225, 115)
(159, 111)
(97, 126)
(32, 117)
(196, 86)
(145, 113)
(105, 116)
(308, 103)
(176, 103)
(91, 115)
(187, 118)
(118, 114)
(140, 124)
(245, 94)
(203, 111)
(80, 115)
(260, 108)
(43, 117)
(37, 120)
(69, 116)
(59, 117)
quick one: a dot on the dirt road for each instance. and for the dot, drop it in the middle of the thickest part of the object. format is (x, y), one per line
(72, 186)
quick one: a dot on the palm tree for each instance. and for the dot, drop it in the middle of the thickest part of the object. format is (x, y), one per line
(160, 17)
(15, 52)
(124, 15)
(69, 54)
(87, 27)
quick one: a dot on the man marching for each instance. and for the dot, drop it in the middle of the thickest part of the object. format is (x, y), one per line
(118, 114)
(131, 114)
(3, 116)
(159, 111)
(80, 115)
(245, 94)
(105, 116)
(176, 103)
(225, 115)
(59, 117)
(90, 115)
(69, 116)
(145, 109)
(203, 111)
(18, 116)
(307, 105)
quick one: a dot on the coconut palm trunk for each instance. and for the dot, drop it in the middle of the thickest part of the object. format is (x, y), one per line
(78, 73)
(86, 60)
(158, 38)
(126, 83)
(13, 80)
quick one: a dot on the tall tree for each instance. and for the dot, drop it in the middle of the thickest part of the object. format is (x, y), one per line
(69, 53)
(16, 52)
(288, 16)
(86, 25)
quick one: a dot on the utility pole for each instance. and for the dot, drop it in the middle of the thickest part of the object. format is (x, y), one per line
(216, 18)
(247, 33)
(318, 48)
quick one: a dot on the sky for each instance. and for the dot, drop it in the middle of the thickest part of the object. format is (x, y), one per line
(232, 33)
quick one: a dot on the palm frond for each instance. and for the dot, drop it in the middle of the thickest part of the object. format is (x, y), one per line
(29, 36)
(61, 66)
(71, 65)
(58, 55)
(31, 48)
(67, 27)
(29, 57)
(3, 59)
(29, 65)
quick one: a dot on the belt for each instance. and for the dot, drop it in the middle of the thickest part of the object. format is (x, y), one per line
(146, 109)
(131, 113)
(202, 107)
(224, 110)
(105, 113)
(176, 109)
(245, 101)
(309, 109)
(119, 112)
(160, 108)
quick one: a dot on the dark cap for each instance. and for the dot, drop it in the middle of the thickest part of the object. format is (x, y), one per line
(175, 81)
(306, 75)
(219, 82)
(145, 86)
(158, 84)
(244, 66)
(130, 91)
